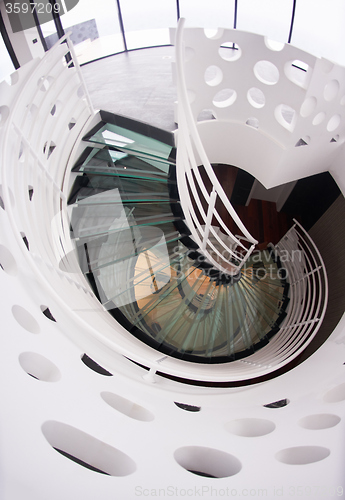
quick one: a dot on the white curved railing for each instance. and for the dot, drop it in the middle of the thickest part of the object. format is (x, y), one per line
(306, 273)
(226, 252)
(43, 117)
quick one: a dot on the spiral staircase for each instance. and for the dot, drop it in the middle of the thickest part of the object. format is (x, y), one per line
(138, 255)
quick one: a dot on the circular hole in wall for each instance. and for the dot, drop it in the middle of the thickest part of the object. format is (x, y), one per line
(302, 455)
(266, 72)
(213, 76)
(206, 114)
(186, 407)
(333, 123)
(7, 261)
(229, 51)
(252, 122)
(308, 106)
(39, 367)
(256, 97)
(319, 421)
(127, 407)
(274, 45)
(224, 98)
(90, 363)
(25, 319)
(4, 113)
(207, 461)
(336, 394)
(319, 118)
(250, 427)
(331, 90)
(86, 450)
(280, 403)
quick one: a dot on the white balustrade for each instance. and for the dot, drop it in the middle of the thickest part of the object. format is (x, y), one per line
(199, 206)
(44, 115)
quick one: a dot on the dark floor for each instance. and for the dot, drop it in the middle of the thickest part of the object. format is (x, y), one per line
(139, 84)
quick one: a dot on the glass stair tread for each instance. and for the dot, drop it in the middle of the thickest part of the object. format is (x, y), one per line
(129, 141)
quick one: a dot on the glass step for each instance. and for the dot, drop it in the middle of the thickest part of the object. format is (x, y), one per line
(124, 140)
(103, 157)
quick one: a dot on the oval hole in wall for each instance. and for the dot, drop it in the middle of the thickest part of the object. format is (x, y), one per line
(87, 450)
(336, 394)
(207, 462)
(280, 403)
(319, 421)
(286, 116)
(224, 98)
(266, 72)
(331, 90)
(302, 455)
(47, 313)
(186, 407)
(250, 427)
(2, 204)
(39, 367)
(274, 45)
(297, 72)
(230, 51)
(256, 97)
(90, 363)
(308, 106)
(4, 114)
(333, 123)
(206, 114)
(127, 407)
(252, 122)
(213, 33)
(319, 118)
(213, 75)
(7, 261)
(25, 240)
(25, 319)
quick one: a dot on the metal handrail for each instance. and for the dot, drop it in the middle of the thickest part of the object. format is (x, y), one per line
(228, 256)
